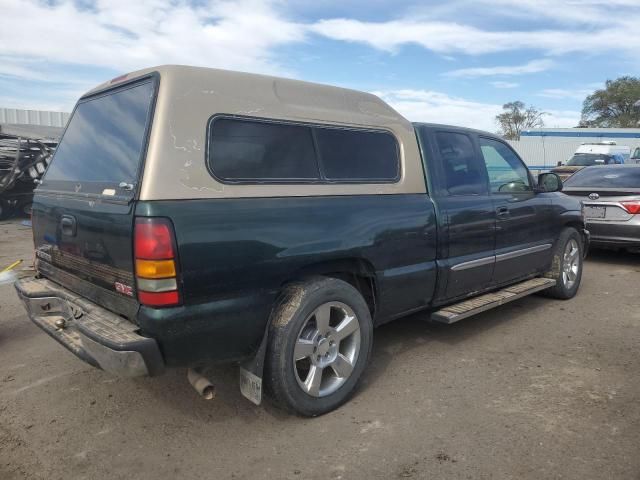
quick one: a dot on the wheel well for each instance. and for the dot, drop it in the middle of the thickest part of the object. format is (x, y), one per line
(579, 227)
(359, 273)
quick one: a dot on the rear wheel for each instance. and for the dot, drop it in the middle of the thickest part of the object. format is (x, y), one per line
(566, 266)
(319, 345)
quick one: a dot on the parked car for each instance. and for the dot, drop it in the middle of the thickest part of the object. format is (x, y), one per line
(635, 156)
(194, 215)
(590, 154)
(611, 199)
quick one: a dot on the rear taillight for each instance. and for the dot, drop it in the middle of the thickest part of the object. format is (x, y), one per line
(632, 207)
(155, 262)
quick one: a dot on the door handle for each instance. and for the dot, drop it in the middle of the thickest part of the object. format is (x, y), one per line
(502, 212)
(68, 225)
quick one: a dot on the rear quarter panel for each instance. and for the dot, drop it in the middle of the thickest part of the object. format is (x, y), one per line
(234, 249)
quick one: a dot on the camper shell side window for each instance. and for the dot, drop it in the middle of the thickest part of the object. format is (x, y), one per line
(247, 150)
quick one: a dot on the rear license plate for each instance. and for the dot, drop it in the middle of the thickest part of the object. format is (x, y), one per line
(595, 212)
(250, 386)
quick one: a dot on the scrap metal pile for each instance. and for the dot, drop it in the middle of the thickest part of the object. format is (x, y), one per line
(23, 162)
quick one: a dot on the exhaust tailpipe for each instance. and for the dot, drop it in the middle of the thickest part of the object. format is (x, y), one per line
(202, 384)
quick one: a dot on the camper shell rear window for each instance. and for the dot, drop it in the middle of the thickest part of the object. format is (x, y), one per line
(249, 150)
(104, 143)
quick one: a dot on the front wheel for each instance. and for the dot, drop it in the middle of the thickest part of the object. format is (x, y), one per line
(320, 341)
(567, 265)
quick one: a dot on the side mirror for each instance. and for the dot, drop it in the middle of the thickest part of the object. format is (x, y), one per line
(559, 163)
(549, 182)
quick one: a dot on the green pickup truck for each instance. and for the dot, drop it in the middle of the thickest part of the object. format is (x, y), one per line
(193, 216)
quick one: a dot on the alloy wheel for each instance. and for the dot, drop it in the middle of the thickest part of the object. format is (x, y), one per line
(327, 349)
(570, 263)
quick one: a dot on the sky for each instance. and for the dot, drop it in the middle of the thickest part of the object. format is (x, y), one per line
(452, 62)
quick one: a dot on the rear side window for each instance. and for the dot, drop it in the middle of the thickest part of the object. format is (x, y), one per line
(257, 151)
(606, 177)
(464, 174)
(246, 150)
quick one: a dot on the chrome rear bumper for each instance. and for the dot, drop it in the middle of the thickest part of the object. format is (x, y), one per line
(94, 334)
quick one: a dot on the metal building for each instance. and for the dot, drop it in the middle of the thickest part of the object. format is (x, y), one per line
(543, 148)
(39, 123)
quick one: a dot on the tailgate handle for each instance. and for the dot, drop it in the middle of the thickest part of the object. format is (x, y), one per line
(68, 225)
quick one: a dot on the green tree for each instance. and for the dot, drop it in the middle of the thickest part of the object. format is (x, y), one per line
(614, 105)
(516, 116)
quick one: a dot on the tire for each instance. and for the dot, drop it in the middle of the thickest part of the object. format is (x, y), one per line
(562, 269)
(25, 209)
(5, 210)
(314, 321)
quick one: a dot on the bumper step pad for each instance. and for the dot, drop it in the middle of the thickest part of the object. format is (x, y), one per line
(467, 308)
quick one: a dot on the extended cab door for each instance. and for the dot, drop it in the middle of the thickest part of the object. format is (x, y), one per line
(523, 219)
(466, 214)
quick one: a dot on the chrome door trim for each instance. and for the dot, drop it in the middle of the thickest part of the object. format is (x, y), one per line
(498, 258)
(474, 263)
(524, 251)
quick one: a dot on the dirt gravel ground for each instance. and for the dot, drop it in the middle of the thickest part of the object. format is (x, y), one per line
(538, 389)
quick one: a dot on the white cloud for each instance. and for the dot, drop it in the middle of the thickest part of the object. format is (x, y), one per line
(437, 107)
(501, 84)
(561, 118)
(446, 37)
(242, 34)
(568, 12)
(51, 41)
(123, 35)
(533, 66)
(561, 93)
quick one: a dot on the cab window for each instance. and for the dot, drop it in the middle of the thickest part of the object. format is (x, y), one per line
(507, 173)
(464, 173)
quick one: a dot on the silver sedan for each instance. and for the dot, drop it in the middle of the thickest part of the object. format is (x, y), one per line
(610, 195)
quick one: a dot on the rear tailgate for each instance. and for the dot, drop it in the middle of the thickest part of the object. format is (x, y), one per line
(83, 211)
